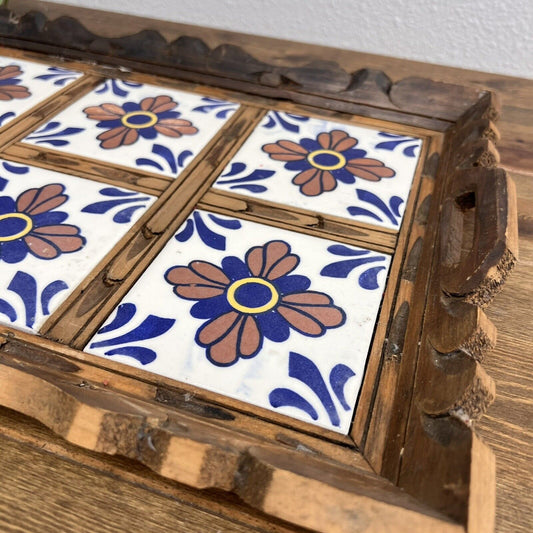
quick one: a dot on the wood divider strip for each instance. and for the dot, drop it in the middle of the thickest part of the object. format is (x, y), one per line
(301, 220)
(130, 178)
(76, 321)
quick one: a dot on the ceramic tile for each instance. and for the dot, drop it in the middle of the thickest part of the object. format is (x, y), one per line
(274, 318)
(149, 128)
(54, 229)
(328, 167)
(24, 84)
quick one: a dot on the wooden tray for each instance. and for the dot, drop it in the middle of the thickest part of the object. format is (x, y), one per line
(412, 460)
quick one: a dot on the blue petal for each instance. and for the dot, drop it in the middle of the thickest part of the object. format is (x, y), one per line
(302, 164)
(49, 218)
(290, 284)
(131, 106)
(211, 307)
(234, 268)
(343, 176)
(125, 312)
(310, 144)
(49, 292)
(143, 355)
(13, 252)
(7, 205)
(338, 377)
(287, 398)
(273, 326)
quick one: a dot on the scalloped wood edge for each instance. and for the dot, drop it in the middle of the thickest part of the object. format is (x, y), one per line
(431, 450)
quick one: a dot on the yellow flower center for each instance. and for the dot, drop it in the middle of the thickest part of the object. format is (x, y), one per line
(243, 293)
(139, 119)
(11, 222)
(326, 159)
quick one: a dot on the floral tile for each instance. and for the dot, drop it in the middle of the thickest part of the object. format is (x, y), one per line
(329, 167)
(274, 318)
(149, 128)
(54, 229)
(24, 84)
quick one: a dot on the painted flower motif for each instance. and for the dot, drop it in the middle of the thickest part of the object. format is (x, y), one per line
(246, 301)
(147, 118)
(9, 84)
(326, 160)
(29, 224)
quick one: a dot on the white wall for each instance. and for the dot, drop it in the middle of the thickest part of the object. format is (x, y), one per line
(489, 35)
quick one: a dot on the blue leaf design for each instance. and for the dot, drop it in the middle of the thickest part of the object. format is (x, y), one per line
(208, 236)
(369, 279)
(186, 233)
(243, 182)
(285, 120)
(106, 205)
(166, 154)
(221, 107)
(182, 157)
(236, 168)
(143, 355)
(342, 269)
(46, 135)
(303, 369)
(143, 161)
(397, 140)
(230, 223)
(338, 377)
(360, 211)
(287, 398)
(111, 191)
(152, 326)
(252, 188)
(395, 202)
(25, 286)
(6, 116)
(124, 216)
(115, 87)
(49, 292)
(341, 249)
(3, 183)
(125, 312)
(14, 169)
(8, 310)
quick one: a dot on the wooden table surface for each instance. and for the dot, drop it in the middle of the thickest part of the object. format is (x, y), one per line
(47, 484)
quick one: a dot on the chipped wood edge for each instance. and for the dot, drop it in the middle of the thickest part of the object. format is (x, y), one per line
(190, 58)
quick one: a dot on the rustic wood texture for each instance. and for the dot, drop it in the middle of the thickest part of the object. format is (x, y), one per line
(202, 455)
(191, 58)
(513, 406)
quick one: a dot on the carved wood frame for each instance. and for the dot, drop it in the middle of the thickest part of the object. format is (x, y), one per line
(419, 463)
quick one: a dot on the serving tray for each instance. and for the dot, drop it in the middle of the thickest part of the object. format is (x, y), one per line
(262, 279)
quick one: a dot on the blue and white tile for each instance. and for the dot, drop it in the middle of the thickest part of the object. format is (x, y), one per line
(24, 84)
(155, 129)
(54, 229)
(339, 169)
(274, 318)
